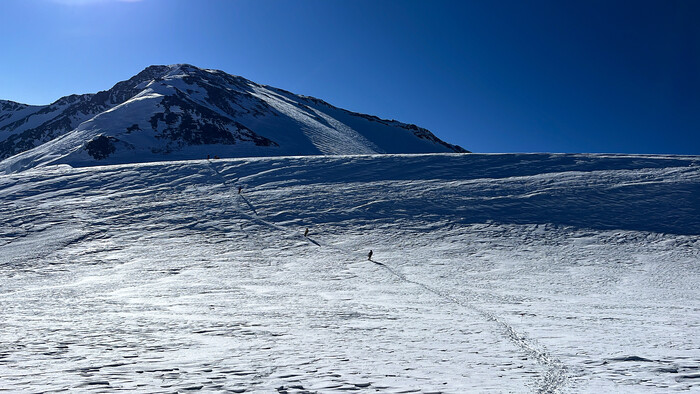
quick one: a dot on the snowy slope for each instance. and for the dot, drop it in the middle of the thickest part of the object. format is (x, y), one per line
(183, 112)
(40, 124)
(491, 273)
(11, 112)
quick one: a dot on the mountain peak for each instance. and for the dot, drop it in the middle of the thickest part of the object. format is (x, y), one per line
(159, 71)
(181, 111)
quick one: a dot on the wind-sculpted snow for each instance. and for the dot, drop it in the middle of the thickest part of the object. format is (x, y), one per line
(490, 273)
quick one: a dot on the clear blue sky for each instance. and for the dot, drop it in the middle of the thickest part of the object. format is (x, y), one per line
(492, 76)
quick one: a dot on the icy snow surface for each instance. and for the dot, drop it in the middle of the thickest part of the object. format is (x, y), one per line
(491, 273)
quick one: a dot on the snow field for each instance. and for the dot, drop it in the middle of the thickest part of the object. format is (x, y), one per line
(497, 273)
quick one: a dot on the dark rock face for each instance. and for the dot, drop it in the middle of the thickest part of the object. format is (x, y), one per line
(8, 107)
(63, 115)
(427, 135)
(33, 137)
(195, 124)
(101, 147)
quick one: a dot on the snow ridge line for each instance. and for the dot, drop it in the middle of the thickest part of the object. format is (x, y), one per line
(555, 376)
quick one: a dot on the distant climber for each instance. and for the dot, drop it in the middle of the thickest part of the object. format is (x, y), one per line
(240, 188)
(306, 233)
(207, 157)
(369, 255)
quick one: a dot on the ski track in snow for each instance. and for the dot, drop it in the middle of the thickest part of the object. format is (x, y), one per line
(555, 376)
(161, 278)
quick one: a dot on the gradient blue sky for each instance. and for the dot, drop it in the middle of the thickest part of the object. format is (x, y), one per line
(492, 76)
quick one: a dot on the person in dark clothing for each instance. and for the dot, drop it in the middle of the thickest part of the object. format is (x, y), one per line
(306, 233)
(239, 189)
(369, 255)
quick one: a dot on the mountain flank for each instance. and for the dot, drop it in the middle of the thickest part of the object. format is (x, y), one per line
(183, 112)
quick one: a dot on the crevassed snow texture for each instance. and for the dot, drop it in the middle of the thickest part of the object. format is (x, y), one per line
(491, 273)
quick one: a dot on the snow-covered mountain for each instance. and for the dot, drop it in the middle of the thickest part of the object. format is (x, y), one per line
(546, 273)
(184, 112)
(12, 112)
(491, 274)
